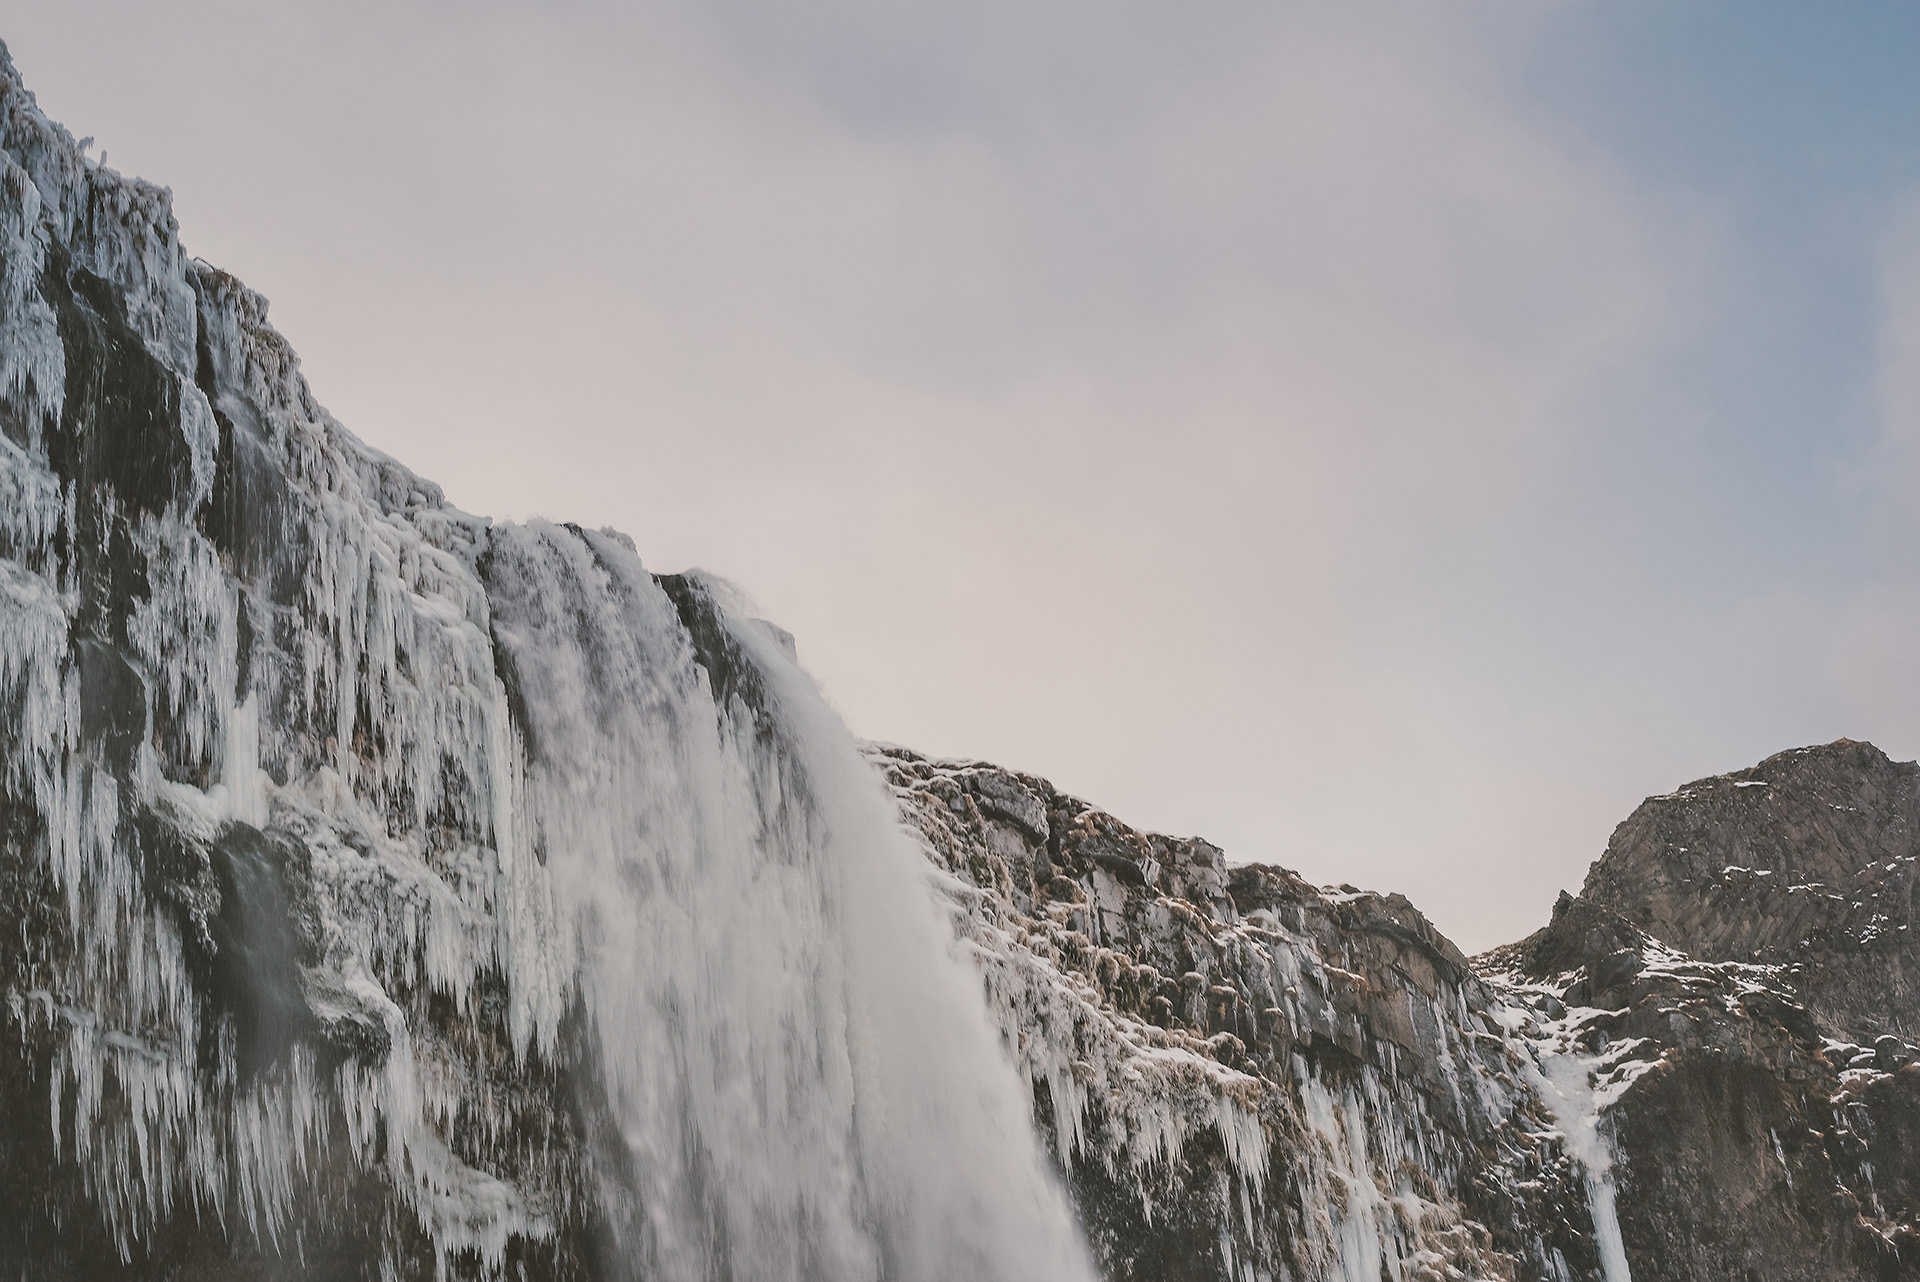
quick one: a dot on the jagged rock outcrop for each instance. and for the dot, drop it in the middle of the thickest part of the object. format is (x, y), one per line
(1807, 861)
(390, 893)
(1765, 1130)
(1242, 1071)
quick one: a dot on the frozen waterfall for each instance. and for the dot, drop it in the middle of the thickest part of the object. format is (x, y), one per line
(385, 857)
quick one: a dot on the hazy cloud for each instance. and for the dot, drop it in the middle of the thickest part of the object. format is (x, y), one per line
(1263, 420)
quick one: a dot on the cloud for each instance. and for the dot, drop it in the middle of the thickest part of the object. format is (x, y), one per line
(1180, 404)
(1897, 381)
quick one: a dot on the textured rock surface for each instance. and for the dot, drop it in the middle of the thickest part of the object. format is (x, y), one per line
(1772, 1066)
(1808, 860)
(290, 752)
(1243, 1071)
(1708, 1065)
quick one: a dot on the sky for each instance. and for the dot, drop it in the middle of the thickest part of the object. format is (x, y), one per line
(1389, 440)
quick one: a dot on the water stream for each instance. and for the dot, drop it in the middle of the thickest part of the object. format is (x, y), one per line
(801, 1069)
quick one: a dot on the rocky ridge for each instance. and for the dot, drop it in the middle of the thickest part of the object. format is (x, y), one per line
(1807, 861)
(1706, 1100)
(1241, 1070)
(1780, 1077)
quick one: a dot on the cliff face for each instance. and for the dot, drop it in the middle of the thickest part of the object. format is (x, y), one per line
(1241, 1072)
(259, 967)
(393, 893)
(1807, 861)
(1780, 1075)
(387, 893)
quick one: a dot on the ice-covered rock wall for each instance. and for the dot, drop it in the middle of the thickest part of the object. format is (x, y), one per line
(260, 782)
(392, 894)
(1247, 1076)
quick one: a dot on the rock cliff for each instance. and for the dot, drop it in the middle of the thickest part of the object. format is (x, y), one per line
(391, 893)
(386, 892)
(1240, 1071)
(1769, 1134)
(1590, 1101)
(1807, 861)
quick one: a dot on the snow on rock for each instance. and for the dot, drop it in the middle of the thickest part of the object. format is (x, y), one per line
(1816, 870)
(1718, 1132)
(1246, 1076)
(398, 894)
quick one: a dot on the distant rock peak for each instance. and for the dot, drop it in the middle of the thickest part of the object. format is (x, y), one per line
(1807, 861)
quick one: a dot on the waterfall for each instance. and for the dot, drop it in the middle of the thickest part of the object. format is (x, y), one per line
(801, 1069)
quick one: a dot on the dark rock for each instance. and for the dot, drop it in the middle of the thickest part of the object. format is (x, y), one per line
(258, 945)
(1890, 1053)
(1811, 858)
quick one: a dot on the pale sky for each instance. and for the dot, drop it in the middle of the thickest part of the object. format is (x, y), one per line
(1387, 440)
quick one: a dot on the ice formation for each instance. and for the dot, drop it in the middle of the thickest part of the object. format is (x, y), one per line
(378, 829)
(1289, 1082)
(1569, 1093)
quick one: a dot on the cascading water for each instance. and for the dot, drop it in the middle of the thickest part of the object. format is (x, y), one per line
(801, 1071)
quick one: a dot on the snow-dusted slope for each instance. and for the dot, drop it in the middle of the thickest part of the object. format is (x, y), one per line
(1810, 859)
